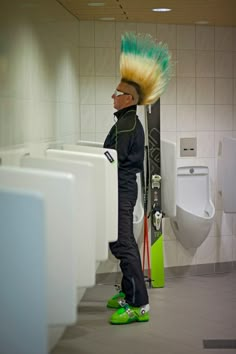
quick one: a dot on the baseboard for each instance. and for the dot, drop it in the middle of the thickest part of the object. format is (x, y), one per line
(173, 272)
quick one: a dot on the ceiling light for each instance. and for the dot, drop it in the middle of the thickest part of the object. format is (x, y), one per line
(96, 4)
(162, 9)
(107, 18)
(201, 23)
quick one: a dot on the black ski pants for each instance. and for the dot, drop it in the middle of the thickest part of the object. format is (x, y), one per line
(126, 250)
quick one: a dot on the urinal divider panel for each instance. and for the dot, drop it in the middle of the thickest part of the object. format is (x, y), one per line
(155, 215)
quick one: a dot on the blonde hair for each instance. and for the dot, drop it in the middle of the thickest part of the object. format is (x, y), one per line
(145, 65)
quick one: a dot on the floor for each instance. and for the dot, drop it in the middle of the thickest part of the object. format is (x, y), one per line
(184, 313)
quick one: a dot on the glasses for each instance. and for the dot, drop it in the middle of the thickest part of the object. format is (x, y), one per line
(119, 93)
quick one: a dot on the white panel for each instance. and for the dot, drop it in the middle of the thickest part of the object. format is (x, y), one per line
(186, 63)
(186, 90)
(23, 325)
(186, 118)
(168, 182)
(104, 209)
(185, 37)
(58, 190)
(205, 88)
(223, 91)
(111, 185)
(85, 229)
(205, 64)
(205, 37)
(228, 175)
(104, 34)
(105, 61)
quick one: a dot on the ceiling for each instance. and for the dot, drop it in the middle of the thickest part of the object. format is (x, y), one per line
(185, 12)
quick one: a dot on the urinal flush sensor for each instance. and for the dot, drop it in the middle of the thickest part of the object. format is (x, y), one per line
(188, 147)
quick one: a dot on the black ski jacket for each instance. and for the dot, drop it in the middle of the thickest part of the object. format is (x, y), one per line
(127, 138)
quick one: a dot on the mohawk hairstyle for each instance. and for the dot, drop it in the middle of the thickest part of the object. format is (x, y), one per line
(146, 65)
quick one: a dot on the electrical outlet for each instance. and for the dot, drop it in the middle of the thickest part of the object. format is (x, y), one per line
(188, 147)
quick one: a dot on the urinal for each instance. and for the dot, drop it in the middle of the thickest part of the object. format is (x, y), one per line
(105, 195)
(138, 214)
(194, 208)
(23, 325)
(111, 184)
(59, 192)
(85, 210)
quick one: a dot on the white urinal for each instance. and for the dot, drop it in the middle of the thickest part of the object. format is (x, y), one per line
(105, 195)
(84, 145)
(58, 190)
(138, 213)
(111, 184)
(194, 210)
(85, 211)
(23, 324)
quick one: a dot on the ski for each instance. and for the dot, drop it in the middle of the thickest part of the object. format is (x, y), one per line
(155, 215)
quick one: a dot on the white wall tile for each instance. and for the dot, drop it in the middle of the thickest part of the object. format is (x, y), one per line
(234, 98)
(223, 117)
(205, 38)
(67, 119)
(167, 34)
(186, 118)
(205, 144)
(225, 249)
(121, 28)
(105, 87)
(234, 117)
(185, 37)
(208, 251)
(171, 136)
(205, 64)
(149, 28)
(87, 90)
(186, 90)
(87, 62)
(223, 91)
(185, 256)
(87, 118)
(168, 232)
(169, 96)
(205, 90)
(186, 63)
(168, 118)
(12, 121)
(205, 117)
(234, 248)
(105, 34)
(100, 137)
(234, 39)
(234, 64)
(223, 64)
(223, 38)
(219, 135)
(105, 61)
(86, 33)
(87, 136)
(104, 118)
(170, 253)
(173, 54)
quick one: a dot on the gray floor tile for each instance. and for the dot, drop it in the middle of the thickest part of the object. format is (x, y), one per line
(183, 314)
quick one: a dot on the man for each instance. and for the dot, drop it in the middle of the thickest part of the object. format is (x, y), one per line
(145, 72)
(127, 137)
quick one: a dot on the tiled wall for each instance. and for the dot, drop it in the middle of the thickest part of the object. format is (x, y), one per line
(57, 78)
(200, 102)
(39, 68)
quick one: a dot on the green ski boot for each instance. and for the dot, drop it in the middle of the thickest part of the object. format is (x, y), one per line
(129, 314)
(116, 301)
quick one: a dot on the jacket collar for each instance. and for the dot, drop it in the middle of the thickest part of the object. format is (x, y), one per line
(122, 111)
